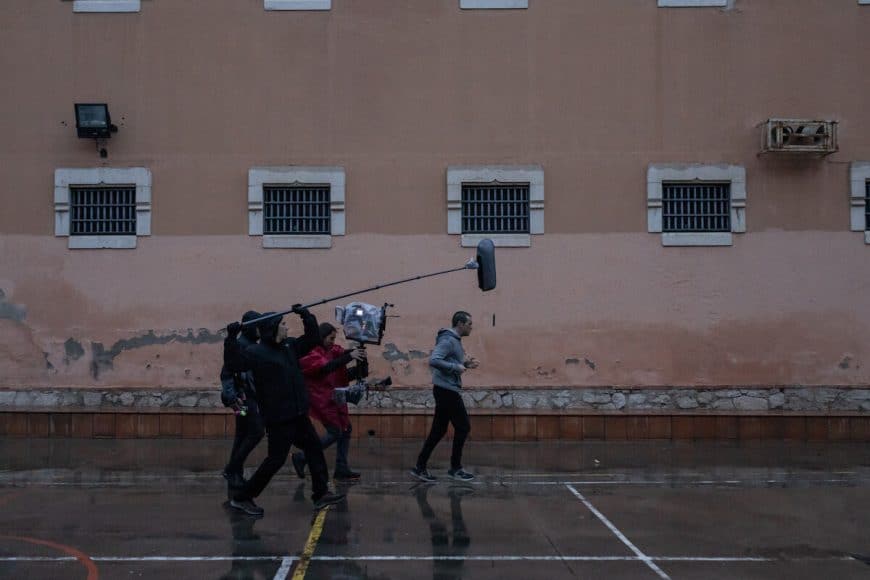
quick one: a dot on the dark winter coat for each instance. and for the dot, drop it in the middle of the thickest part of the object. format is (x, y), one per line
(281, 391)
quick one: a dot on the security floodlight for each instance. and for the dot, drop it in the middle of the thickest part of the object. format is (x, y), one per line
(93, 121)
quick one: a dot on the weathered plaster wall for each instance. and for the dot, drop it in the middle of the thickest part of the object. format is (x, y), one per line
(395, 92)
(566, 311)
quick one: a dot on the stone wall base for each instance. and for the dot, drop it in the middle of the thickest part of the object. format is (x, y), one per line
(578, 400)
(611, 413)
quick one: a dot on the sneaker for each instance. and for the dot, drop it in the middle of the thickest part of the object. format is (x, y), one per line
(326, 499)
(248, 506)
(423, 475)
(346, 475)
(459, 474)
(298, 464)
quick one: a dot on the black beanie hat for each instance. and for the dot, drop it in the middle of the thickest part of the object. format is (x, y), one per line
(269, 327)
(250, 331)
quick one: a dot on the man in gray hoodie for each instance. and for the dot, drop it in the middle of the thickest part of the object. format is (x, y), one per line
(448, 361)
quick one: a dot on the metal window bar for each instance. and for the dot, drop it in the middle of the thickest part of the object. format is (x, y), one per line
(867, 205)
(495, 208)
(296, 210)
(103, 210)
(696, 207)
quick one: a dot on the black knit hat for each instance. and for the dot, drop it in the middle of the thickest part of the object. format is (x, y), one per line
(250, 331)
(269, 327)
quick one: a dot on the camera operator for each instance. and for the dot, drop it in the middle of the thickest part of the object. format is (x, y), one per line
(284, 404)
(239, 393)
(325, 368)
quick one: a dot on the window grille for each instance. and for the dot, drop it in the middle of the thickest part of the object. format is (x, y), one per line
(501, 208)
(867, 205)
(296, 209)
(691, 207)
(106, 210)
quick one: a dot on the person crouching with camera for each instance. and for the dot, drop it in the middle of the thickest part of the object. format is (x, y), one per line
(325, 368)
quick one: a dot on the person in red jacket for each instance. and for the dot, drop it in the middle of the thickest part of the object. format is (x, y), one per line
(325, 368)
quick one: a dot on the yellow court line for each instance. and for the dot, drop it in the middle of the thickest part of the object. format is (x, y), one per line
(311, 544)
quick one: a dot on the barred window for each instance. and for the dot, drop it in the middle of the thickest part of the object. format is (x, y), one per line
(696, 207)
(867, 205)
(496, 208)
(104, 210)
(296, 209)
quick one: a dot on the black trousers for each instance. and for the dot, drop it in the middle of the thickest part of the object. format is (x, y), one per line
(449, 409)
(249, 432)
(299, 432)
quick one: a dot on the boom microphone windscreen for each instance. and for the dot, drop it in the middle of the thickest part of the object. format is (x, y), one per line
(486, 265)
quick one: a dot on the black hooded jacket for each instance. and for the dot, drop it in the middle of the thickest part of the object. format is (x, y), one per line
(281, 391)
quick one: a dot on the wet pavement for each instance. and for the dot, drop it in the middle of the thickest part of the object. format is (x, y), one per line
(157, 509)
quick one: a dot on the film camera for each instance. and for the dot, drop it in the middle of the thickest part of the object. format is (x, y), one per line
(363, 323)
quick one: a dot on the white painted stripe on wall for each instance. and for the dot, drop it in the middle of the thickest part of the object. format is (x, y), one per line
(289, 560)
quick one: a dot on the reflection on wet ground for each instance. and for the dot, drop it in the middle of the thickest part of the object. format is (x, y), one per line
(157, 509)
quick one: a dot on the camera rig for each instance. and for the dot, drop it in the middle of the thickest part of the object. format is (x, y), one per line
(353, 393)
(365, 324)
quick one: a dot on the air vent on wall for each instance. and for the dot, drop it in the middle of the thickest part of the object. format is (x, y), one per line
(799, 136)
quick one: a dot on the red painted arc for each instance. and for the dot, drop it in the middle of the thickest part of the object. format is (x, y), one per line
(83, 558)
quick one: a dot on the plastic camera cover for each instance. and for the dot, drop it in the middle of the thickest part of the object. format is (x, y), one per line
(361, 322)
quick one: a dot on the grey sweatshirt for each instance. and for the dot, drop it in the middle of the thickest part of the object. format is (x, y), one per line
(447, 360)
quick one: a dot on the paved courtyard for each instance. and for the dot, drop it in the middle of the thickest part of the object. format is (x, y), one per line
(113, 509)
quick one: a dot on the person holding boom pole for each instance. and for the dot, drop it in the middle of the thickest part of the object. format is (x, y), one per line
(283, 398)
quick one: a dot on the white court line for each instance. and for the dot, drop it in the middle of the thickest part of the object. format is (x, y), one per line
(289, 560)
(646, 559)
(607, 480)
(284, 570)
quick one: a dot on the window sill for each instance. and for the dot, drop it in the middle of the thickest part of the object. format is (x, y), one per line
(106, 6)
(297, 4)
(102, 242)
(493, 4)
(691, 3)
(303, 241)
(697, 239)
(499, 240)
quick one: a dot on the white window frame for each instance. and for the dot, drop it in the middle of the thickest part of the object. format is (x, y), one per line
(657, 174)
(106, 5)
(863, 1)
(64, 178)
(297, 4)
(296, 175)
(531, 174)
(859, 174)
(691, 3)
(493, 4)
